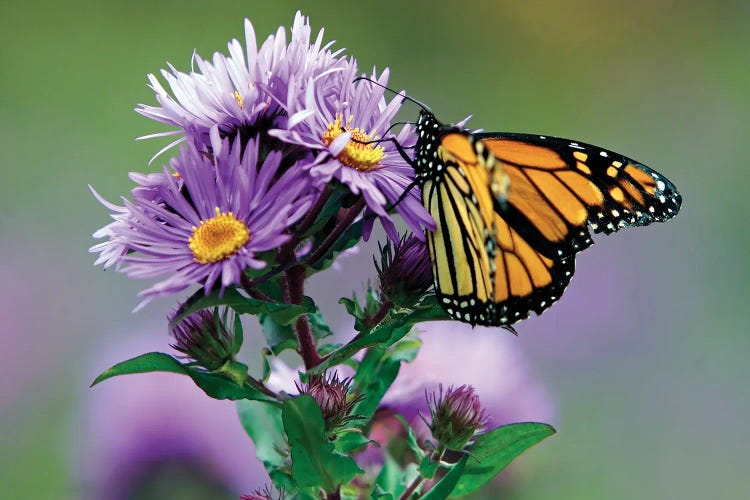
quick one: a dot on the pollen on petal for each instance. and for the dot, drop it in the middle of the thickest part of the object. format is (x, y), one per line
(238, 98)
(218, 238)
(359, 153)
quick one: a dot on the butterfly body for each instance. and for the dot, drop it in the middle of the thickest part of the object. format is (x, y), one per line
(512, 210)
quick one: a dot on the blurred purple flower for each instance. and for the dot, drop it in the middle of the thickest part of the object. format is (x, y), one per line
(243, 89)
(157, 435)
(215, 216)
(487, 359)
(339, 119)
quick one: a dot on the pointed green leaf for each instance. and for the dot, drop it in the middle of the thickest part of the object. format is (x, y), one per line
(493, 451)
(284, 314)
(238, 334)
(315, 463)
(352, 307)
(445, 486)
(145, 363)
(411, 438)
(214, 385)
(262, 422)
(390, 480)
(349, 441)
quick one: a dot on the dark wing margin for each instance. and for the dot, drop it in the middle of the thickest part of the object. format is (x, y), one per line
(559, 187)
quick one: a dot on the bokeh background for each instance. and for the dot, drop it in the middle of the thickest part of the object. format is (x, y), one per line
(645, 356)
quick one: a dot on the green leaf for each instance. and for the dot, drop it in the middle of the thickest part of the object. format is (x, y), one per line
(352, 307)
(427, 467)
(445, 486)
(282, 337)
(283, 481)
(278, 337)
(350, 441)
(315, 463)
(318, 325)
(283, 314)
(145, 363)
(262, 422)
(330, 209)
(390, 480)
(350, 237)
(238, 334)
(411, 438)
(380, 493)
(214, 385)
(376, 373)
(386, 333)
(493, 451)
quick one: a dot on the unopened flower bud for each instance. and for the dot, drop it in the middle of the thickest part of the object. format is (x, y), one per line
(405, 271)
(206, 337)
(456, 416)
(333, 398)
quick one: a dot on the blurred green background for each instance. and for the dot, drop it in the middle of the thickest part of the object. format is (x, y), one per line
(647, 353)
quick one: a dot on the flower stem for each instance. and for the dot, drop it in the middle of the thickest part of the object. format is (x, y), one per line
(293, 289)
(381, 313)
(346, 217)
(257, 384)
(310, 218)
(249, 287)
(436, 457)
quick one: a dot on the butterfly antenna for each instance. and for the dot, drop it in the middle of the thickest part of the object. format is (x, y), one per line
(408, 98)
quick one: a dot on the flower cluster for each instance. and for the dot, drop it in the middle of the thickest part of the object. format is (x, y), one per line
(268, 134)
(285, 155)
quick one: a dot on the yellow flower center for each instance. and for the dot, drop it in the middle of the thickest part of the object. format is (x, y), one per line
(218, 238)
(357, 153)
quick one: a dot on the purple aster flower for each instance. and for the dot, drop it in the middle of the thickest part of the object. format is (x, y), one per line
(243, 90)
(157, 432)
(340, 120)
(210, 221)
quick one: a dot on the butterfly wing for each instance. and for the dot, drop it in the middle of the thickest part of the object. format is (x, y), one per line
(557, 188)
(485, 272)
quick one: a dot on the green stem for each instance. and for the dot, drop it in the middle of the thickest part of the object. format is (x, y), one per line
(381, 313)
(436, 457)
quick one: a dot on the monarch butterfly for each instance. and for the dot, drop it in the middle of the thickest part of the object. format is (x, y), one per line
(512, 210)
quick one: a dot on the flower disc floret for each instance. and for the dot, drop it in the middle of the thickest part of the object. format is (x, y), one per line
(218, 238)
(360, 152)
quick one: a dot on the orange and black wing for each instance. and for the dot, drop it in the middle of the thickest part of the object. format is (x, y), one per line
(557, 188)
(485, 271)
